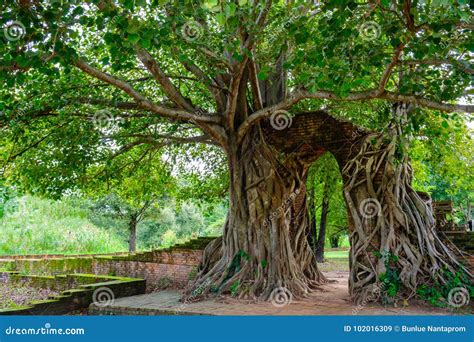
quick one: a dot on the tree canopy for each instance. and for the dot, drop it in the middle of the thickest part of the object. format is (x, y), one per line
(152, 70)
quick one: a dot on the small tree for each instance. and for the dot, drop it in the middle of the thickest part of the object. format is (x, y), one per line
(132, 198)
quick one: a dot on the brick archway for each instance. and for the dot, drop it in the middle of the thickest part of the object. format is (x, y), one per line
(385, 214)
(313, 134)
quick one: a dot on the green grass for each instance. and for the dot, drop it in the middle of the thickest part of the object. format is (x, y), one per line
(335, 261)
(336, 254)
(39, 226)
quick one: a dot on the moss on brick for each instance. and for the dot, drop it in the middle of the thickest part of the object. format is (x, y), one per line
(16, 309)
(7, 265)
(76, 298)
(43, 301)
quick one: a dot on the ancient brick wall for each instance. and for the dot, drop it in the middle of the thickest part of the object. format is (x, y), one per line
(315, 133)
(176, 265)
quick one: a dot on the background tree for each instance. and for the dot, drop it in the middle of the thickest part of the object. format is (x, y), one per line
(135, 196)
(326, 203)
(443, 162)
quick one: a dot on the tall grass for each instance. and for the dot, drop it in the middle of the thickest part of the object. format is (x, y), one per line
(33, 225)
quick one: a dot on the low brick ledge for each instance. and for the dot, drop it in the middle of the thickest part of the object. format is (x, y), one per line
(95, 310)
(77, 298)
(58, 256)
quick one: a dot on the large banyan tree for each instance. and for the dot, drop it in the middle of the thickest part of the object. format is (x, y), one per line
(272, 84)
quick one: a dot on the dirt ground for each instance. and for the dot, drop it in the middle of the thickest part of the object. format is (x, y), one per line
(333, 299)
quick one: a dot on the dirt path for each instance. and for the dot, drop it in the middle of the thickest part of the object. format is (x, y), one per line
(333, 299)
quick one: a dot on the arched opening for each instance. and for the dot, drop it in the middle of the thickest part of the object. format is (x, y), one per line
(328, 216)
(391, 227)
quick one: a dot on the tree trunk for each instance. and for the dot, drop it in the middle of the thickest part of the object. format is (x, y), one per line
(388, 217)
(132, 242)
(334, 241)
(264, 246)
(313, 231)
(322, 225)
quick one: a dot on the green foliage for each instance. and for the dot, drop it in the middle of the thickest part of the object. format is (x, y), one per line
(325, 172)
(48, 105)
(236, 264)
(438, 294)
(6, 193)
(38, 226)
(442, 158)
(179, 222)
(390, 279)
(32, 225)
(234, 288)
(169, 238)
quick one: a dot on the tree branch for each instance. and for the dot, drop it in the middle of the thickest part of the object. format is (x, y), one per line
(452, 63)
(168, 87)
(210, 84)
(141, 100)
(388, 70)
(256, 92)
(372, 94)
(205, 139)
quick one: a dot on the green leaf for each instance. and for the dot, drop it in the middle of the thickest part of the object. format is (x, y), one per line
(133, 38)
(230, 9)
(133, 26)
(221, 18)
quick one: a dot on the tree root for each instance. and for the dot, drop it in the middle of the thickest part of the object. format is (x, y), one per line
(389, 216)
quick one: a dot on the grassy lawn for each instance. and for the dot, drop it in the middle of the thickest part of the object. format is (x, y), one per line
(335, 261)
(336, 254)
